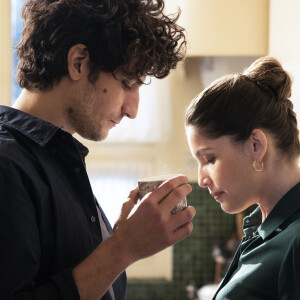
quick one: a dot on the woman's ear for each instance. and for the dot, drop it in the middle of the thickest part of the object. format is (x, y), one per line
(78, 58)
(259, 144)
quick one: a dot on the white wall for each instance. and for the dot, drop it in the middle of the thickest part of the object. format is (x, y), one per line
(5, 52)
(284, 41)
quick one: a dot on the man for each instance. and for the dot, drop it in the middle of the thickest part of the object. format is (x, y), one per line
(81, 63)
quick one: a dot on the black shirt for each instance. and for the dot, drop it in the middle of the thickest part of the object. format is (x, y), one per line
(267, 263)
(48, 215)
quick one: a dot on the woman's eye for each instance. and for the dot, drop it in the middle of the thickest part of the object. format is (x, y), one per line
(211, 160)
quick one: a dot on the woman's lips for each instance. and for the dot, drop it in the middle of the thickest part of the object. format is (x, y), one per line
(217, 195)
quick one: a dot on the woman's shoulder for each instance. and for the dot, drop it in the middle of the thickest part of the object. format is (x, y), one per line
(291, 229)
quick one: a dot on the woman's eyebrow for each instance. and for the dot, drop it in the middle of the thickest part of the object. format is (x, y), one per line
(201, 150)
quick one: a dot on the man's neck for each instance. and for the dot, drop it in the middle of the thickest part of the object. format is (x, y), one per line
(47, 105)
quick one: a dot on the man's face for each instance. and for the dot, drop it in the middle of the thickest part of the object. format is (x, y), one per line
(95, 108)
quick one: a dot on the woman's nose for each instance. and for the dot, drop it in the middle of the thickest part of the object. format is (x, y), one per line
(203, 179)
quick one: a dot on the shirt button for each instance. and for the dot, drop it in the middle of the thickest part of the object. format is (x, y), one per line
(93, 219)
(247, 221)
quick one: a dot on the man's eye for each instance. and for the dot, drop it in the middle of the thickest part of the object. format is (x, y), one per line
(126, 85)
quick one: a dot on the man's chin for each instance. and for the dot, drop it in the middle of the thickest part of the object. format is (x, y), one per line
(95, 137)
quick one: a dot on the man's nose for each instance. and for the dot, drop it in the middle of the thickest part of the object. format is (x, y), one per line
(131, 104)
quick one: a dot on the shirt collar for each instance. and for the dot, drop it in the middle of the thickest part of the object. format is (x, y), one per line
(36, 129)
(251, 222)
(287, 206)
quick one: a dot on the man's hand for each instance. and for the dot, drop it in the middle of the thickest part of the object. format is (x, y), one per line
(151, 228)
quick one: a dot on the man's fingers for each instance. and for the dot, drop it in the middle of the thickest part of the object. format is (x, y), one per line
(127, 206)
(182, 217)
(160, 193)
(166, 187)
(134, 195)
(175, 196)
(182, 232)
(168, 194)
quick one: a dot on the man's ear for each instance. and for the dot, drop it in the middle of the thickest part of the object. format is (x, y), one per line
(259, 144)
(78, 58)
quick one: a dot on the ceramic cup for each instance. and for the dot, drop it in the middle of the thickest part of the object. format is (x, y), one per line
(147, 185)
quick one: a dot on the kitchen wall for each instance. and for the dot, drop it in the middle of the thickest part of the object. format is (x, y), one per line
(284, 42)
(5, 52)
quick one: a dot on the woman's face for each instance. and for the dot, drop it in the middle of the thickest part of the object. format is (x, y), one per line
(225, 168)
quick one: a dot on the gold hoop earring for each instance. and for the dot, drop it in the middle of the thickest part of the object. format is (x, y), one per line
(255, 168)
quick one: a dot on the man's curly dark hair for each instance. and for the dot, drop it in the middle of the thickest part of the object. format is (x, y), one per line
(133, 37)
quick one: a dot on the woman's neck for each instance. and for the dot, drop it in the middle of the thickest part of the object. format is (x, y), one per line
(279, 182)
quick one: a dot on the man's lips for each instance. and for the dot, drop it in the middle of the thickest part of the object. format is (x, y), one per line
(115, 122)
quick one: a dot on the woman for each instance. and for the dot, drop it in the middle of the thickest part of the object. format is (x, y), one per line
(242, 131)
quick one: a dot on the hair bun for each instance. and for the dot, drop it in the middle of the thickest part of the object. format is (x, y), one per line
(268, 73)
